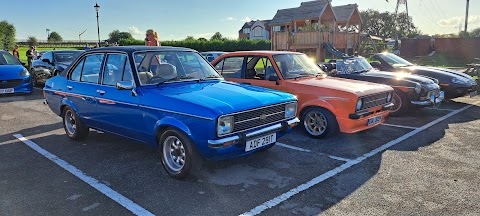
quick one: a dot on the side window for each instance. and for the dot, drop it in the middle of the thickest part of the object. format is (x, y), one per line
(115, 68)
(91, 68)
(259, 68)
(219, 66)
(77, 72)
(48, 55)
(232, 67)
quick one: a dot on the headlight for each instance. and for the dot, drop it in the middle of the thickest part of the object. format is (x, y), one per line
(290, 110)
(459, 81)
(418, 88)
(359, 104)
(389, 97)
(24, 72)
(224, 125)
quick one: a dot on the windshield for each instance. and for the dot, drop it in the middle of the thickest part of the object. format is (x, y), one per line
(394, 60)
(353, 65)
(66, 57)
(297, 65)
(8, 59)
(172, 66)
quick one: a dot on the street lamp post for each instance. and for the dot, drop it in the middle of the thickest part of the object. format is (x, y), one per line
(97, 8)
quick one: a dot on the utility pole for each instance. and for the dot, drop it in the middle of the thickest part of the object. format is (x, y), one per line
(466, 17)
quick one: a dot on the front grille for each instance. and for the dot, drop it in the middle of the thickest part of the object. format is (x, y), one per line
(371, 101)
(10, 83)
(435, 93)
(258, 117)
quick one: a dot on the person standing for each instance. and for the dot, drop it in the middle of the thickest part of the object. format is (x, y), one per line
(35, 53)
(15, 52)
(152, 38)
(30, 56)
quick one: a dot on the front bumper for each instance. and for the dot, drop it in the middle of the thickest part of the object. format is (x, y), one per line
(359, 121)
(25, 87)
(433, 100)
(241, 139)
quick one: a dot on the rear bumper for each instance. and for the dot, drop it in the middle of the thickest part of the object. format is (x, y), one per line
(240, 140)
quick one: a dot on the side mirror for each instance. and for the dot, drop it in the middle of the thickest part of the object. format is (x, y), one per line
(125, 85)
(376, 64)
(47, 61)
(273, 78)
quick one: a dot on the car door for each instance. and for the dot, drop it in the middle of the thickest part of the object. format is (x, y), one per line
(82, 87)
(231, 68)
(118, 110)
(259, 71)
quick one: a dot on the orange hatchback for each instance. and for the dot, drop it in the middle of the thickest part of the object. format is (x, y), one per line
(326, 104)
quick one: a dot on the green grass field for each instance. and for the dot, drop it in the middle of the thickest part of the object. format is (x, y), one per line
(23, 51)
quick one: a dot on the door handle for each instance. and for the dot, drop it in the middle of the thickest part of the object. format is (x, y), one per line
(101, 92)
(69, 87)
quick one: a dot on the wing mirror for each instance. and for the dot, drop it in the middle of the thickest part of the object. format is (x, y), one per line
(126, 85)
(275, 79)
(47, 61)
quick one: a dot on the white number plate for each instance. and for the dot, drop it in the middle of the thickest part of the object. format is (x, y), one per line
(473, 94)
(260, 142)
(6, 91)
(374, 120)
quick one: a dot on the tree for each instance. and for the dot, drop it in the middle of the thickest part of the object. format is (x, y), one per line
(385, 24)
(7, 35)
(190, 38)
(202, 39)
(55, 37)
(475, 33)
(117, 35)
(217, 36)
(32, 41)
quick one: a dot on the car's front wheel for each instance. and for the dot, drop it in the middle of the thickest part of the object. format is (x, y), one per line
(401, 104)
(179, 158)
(319, 122)
(74, 128)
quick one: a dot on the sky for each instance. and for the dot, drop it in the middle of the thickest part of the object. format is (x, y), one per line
(177, 19)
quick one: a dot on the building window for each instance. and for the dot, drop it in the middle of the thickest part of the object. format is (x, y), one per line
(257, 32)
(246, 31)
(276, 28)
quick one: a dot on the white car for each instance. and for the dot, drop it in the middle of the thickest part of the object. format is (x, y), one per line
(210, 56)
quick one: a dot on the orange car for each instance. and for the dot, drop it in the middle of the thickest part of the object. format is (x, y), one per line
(326, 104)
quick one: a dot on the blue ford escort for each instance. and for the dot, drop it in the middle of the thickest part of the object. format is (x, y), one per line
(14, 77)
(170, 98)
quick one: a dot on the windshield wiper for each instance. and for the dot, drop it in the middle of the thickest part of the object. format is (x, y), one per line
(209, 78)
(175, 79)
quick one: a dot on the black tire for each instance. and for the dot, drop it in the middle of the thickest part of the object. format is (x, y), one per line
(403, 107)
(325, 122)
(171, 160)
(74, 128)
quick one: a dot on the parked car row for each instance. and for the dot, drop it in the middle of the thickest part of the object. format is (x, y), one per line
(174, 100)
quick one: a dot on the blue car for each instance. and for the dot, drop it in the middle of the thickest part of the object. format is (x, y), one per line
(14, 77)
(171, 99)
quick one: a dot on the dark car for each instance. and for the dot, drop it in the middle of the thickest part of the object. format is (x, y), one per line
(454, 84)
(171, 99)
(51, 63)
(411, 91)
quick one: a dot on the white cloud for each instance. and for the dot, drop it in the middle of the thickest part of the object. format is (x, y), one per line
(246, 19)
(231, 19)
(456, 20)
(136, 33)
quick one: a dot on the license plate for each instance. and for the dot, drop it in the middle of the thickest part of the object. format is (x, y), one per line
(473, 94)
(6, 91)
(260, 142)
(374, 120)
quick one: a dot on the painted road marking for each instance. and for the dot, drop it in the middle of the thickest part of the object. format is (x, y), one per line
(449, 110)
(399, 126)
(107, 191)
(283, 197)
(309, 151)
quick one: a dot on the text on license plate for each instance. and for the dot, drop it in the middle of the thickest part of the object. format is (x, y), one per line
(6, 91)
(260, 142)
(374, 120)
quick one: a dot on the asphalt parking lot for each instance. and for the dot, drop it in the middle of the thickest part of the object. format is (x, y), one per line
(425, 163)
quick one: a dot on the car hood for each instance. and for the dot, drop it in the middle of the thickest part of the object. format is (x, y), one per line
(400, 76)
(10, 71)
(443, 75)
(359, 88)
(211, 98)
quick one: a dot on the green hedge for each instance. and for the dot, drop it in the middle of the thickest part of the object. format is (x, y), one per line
(211, 45)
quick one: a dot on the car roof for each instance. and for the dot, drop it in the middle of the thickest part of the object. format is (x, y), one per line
(214, 52)
(131, 49)
(261, 52)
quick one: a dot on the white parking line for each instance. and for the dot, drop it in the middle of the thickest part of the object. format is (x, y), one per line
(399, 126)
(449, 110)
(283, 197)
(306, 150)
(107, 191)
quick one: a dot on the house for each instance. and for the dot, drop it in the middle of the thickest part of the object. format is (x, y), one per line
(255, 30)
(308, 27)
